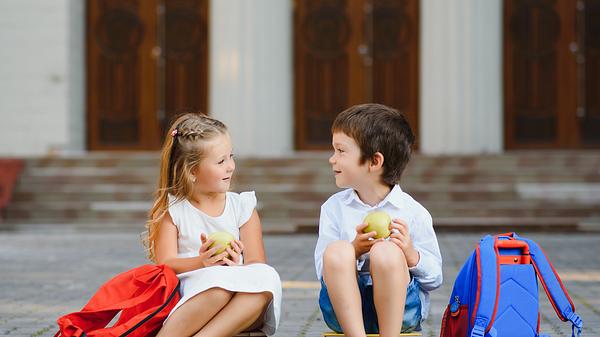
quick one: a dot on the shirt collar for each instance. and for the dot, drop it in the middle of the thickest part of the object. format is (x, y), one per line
(394, 197)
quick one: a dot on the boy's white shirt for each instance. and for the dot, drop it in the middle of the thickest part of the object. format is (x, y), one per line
(343, 211)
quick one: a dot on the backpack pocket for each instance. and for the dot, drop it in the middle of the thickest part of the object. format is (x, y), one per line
(455, 322)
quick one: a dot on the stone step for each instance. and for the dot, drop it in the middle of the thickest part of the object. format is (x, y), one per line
(323, 168)
(518, 187)
(29, 182)
(538, 158)
(285, 203)
(417, 168)
(310, 225)
(114, 211)
(264, 194)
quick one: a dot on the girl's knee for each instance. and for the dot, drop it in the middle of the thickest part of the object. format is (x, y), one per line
(267, 296)
(262, 298)
(339, 254)
(218, 294)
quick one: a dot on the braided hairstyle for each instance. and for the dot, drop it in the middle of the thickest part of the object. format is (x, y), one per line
(182, 151)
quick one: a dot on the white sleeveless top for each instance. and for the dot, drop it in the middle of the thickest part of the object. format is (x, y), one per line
(253, 278)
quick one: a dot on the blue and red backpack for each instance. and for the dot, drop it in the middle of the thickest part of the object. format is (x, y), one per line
(496, 291)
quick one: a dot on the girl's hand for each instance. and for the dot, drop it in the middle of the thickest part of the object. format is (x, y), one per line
(237, 247)
(207, 255)
(401, 237)
(363, 241)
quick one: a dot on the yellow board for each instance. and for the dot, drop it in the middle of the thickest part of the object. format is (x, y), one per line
(331, 334)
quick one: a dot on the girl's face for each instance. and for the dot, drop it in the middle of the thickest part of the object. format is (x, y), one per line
(213, 174)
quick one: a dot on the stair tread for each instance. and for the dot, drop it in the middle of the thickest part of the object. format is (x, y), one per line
(536, 188)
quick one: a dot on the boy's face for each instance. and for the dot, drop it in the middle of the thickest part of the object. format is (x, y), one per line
(345, 162)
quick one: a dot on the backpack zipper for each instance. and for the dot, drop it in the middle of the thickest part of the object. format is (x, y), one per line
(155, 312)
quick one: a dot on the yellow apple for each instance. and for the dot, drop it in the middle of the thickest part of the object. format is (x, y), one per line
(222, 239)
(379, 222)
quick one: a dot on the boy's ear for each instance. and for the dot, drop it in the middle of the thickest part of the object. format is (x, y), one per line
(376, 161)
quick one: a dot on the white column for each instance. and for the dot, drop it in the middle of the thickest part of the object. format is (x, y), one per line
(461, 77)
(251, 73)
(76, 70)
(41, 81)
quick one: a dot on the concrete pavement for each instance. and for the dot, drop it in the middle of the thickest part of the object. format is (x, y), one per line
(51, 271)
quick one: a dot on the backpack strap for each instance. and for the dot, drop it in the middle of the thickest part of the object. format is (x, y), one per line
(555, 290)
(488, 288)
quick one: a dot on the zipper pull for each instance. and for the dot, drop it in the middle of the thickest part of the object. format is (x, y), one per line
(455, 306)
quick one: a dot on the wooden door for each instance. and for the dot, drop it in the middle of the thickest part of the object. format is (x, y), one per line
(186, 59)
(589, 116)
(548, 74)
(146, 62)
(121, 74)
(395, 71)
(348, 52)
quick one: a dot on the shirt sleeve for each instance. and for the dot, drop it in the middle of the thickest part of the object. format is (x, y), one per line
(328, 232)
(247, 206)
(428, 271)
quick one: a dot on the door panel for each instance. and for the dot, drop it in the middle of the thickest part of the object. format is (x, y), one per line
(327, 68)
(146, 62)
(350, 52)
(186, 58)
(121, 73)
(550, 86)
(589, 121)
(396, 56)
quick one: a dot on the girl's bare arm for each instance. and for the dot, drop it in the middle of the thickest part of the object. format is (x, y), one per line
(166, 250)
(251, 237)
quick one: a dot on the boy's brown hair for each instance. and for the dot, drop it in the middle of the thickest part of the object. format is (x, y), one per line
(379, 128)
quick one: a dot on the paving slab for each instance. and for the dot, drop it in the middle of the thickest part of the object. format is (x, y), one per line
(51, 271)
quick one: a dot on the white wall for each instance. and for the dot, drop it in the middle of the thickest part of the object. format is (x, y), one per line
(76, 69)
(251, 73)
(461, 77)
(41, 86)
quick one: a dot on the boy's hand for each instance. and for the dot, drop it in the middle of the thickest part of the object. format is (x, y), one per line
(401, 237)
(361, 242)
(207, 255)
(237, 247)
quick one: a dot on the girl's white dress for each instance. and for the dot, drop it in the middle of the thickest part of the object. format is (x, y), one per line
(254, 278)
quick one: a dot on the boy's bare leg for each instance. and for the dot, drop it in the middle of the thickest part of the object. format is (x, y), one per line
(195, 313)
(339, 274)
(241, 312)
(389, 271)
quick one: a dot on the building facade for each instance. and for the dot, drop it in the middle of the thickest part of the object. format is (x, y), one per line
(472, 76)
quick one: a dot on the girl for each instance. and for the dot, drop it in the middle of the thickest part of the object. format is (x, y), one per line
(221, 294)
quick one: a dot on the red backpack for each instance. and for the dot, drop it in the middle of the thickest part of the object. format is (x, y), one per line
(144, 296)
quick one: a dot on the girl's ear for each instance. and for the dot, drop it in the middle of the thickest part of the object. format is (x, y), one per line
(376, 161)
(194, 172)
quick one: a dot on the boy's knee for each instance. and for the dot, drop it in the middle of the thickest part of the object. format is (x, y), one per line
(387, 256)
(338, 253)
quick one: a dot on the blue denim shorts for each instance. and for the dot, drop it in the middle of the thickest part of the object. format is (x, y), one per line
(412, 309)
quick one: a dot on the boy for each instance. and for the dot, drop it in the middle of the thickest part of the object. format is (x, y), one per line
(374, 285)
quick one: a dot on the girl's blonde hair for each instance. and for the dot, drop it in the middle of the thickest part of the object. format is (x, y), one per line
(182, 151)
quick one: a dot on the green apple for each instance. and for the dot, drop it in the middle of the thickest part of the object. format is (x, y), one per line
(379, 222)
(222, 239)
